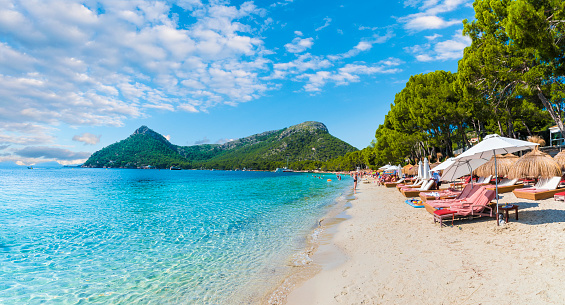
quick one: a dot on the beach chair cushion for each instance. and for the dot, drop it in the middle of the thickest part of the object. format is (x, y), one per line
(472, 192)
(444, 212)
(552, 183)
(541, 182)
(559, 196)
(447, 203)
(544, 184)
(507, 182)
(476, 206)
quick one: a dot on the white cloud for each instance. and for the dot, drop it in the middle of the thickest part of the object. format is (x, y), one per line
(363, 46)
(87, 138)
(347, 74)
(362, 28)
(205, 140)
(451, 49)
(188, 108)
(223, 141)
(433, 37)
(281, 3)
(299, 45)
(302, 63)
(424, 57)
(428, 17)
(327, 22)
(52, 153)
(168, 137)
(65, 63)
(420, 23)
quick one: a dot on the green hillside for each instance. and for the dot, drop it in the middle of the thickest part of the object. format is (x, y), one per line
(302, 143)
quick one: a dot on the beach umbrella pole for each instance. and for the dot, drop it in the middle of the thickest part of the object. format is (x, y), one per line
(496, 182)
(471, 169)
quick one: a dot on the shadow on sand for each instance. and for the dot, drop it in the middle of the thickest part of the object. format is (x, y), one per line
(525, 216)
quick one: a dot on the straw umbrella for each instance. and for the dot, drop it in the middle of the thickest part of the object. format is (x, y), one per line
(560, 159)
(533, 165)
(503, 165)
(406, 169)
(434, 165)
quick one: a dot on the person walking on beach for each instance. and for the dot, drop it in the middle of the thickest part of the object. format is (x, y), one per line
(355, 183)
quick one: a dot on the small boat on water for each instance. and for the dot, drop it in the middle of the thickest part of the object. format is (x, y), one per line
(283, 170)
(175, 168)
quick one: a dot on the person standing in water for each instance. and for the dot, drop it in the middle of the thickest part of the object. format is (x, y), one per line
(355, 183)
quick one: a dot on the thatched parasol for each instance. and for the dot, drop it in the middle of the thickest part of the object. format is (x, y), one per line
(434, 165)
(406, 169)
(533, 165)
(503, 164)
(411, 170)
(560, 159)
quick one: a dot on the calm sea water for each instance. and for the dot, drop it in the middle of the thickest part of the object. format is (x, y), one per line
(74, 236)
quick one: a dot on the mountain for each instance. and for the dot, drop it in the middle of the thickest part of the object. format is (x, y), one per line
(303, 143)
(50, 164)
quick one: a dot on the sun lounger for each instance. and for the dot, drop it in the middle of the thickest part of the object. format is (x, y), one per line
(417, 182)
(544, 189)
(443, 194)
(472, 208)
(469, 193)
(506, 185)
(414, 192)
(484, 180)
(393, 184)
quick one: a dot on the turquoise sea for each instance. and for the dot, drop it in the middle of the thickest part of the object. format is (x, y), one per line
(78, 236)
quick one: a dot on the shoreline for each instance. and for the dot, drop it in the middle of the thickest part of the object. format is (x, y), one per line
(396, 254)
(319, 251)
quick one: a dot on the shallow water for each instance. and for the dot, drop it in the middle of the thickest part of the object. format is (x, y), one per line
(74, 236)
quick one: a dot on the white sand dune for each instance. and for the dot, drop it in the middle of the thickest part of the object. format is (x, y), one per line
(397, 255)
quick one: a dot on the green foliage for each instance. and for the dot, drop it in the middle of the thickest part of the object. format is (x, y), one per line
(515, 61)
(304, 146)
(137, 151)
(509, 81)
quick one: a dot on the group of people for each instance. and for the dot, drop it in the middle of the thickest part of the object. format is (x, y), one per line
(381, 178)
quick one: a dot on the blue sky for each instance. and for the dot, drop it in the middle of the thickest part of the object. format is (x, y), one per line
(76, 76)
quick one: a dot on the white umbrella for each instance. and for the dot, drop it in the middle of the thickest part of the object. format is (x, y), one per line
(399, 171)
(445, 164)
(420, 170)
(387, 167)
(426, 169)
(491, 146)
(459, 168)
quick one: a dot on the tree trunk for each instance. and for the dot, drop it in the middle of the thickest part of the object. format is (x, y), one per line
(555, 116)
(500, 128)
(464, 134)
(510, 130)
(527, 128)
(481, 134)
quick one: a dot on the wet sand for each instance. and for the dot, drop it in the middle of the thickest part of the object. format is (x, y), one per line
(395, 254)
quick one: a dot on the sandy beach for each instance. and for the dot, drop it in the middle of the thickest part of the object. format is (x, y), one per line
(395, 254)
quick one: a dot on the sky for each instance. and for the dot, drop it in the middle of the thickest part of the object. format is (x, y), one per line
(76, 76)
